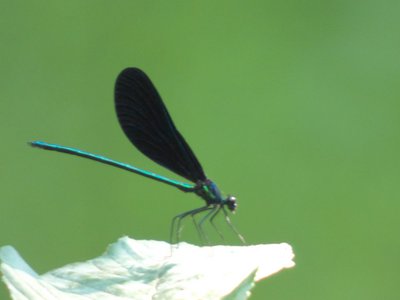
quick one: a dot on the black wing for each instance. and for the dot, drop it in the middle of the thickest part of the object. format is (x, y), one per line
(148, 125)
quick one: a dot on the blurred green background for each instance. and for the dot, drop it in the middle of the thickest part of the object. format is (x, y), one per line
(292, 106)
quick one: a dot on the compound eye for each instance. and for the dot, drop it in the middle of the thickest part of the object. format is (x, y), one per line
(231, 202)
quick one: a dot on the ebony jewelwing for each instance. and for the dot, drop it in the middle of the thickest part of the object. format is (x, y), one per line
(148, 125)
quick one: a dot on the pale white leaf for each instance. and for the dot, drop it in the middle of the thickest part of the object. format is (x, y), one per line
(141, 269)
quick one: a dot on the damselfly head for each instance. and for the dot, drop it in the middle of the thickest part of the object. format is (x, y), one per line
(231, 203)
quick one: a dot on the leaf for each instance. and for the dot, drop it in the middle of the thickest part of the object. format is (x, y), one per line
(144, 269)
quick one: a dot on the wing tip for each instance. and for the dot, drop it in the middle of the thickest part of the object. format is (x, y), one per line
(131, 71)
